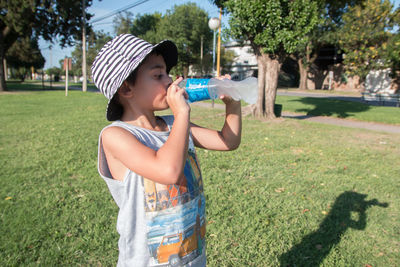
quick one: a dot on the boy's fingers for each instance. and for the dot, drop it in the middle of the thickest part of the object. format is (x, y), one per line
(177, 81)
(174, 86)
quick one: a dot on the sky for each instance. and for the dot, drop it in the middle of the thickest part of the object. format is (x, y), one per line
(105, 7)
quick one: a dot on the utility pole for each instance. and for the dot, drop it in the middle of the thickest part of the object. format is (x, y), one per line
(84, 82)
(51, 66)
(219, 45)
(201, 56)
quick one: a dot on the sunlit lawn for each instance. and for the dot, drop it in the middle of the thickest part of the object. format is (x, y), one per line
(295, 193)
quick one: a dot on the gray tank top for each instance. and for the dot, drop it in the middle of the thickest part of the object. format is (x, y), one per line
(159, 225)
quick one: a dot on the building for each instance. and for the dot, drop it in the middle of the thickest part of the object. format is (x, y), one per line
(245, 62)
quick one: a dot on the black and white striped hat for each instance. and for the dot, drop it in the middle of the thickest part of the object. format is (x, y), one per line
(118, 59)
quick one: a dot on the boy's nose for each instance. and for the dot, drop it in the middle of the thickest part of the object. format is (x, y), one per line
(168, 81)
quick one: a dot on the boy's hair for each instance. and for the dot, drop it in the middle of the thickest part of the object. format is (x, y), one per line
(119, 60)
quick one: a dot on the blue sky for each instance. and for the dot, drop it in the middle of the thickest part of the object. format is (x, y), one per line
(104, 7)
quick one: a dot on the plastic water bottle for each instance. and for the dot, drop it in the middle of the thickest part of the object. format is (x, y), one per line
(202, 89)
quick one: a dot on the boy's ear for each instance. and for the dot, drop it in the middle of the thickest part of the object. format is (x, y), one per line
(125, 90)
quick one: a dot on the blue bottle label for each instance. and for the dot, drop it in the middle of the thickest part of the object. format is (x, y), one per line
(197, 89)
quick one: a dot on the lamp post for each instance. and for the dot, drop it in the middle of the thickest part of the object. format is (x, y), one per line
(214, 23)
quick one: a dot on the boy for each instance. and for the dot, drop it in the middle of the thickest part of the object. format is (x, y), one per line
(149, 162)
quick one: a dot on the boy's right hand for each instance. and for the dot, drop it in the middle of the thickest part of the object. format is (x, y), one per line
(176, 98)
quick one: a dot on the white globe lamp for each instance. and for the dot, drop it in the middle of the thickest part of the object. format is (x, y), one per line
(214, 23)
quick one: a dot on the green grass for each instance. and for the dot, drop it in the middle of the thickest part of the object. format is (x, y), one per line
(295, 192)
(340, 109)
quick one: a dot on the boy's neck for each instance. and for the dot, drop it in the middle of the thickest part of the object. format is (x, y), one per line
(147, 120)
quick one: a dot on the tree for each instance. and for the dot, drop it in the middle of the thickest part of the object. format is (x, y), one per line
(45, 18)
(184, 25)
(275, 29)
(54, 71)
(123, 22)
(95, 42)
(367, 38)
(325, 34)
(145, 26)
(205, 67)
(23, 55)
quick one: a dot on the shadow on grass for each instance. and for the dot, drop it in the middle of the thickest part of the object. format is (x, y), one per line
(329, 107)
(17, 86)
(314, 247)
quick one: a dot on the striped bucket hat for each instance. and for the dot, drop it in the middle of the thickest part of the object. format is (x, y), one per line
(118, 59)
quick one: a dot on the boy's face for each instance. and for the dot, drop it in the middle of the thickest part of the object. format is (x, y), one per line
(152, 82)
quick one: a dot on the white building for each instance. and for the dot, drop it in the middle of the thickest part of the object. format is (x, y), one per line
(245, 62)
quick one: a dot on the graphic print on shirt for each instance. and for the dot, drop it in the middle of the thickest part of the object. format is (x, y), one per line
(175, 217)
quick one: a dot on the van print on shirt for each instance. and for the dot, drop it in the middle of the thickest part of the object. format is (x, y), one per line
(175, 217)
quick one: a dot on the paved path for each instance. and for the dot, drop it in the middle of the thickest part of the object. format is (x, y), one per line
(380, 127)
(359, 99)
(374, 126)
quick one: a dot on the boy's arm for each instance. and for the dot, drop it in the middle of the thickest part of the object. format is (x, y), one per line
(230, 135)
(165, 165)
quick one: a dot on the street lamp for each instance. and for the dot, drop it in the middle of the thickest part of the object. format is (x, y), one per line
(214, 24)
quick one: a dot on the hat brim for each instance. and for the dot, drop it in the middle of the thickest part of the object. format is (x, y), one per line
(169, 52)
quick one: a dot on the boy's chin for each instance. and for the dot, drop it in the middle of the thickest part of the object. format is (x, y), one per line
(163, 107)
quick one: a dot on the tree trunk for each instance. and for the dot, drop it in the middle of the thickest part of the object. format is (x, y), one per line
(304, 66)
(7, 38)
(260, 105)
(3, 86)
(303, 75)
(185, 71)
(268, 71)
(271, 83)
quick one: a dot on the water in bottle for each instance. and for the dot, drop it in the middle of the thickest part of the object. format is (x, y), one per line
(202, 89)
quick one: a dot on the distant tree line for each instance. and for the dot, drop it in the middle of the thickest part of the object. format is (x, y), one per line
(23, 22)
(186, 25)
(364, 33)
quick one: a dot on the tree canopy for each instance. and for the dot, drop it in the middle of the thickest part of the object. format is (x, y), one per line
(25, 53)
(40, 18)
(185, 25)
(367, 37)
(95, 42)
(275, 29)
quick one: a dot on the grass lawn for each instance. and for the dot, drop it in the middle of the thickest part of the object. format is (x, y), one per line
(340, 109)
(294, 193)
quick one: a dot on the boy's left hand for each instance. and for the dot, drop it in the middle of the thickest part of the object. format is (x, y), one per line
(226, 98)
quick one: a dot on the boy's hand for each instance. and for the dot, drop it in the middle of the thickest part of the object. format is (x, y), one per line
(176, 98)
(226, 98)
